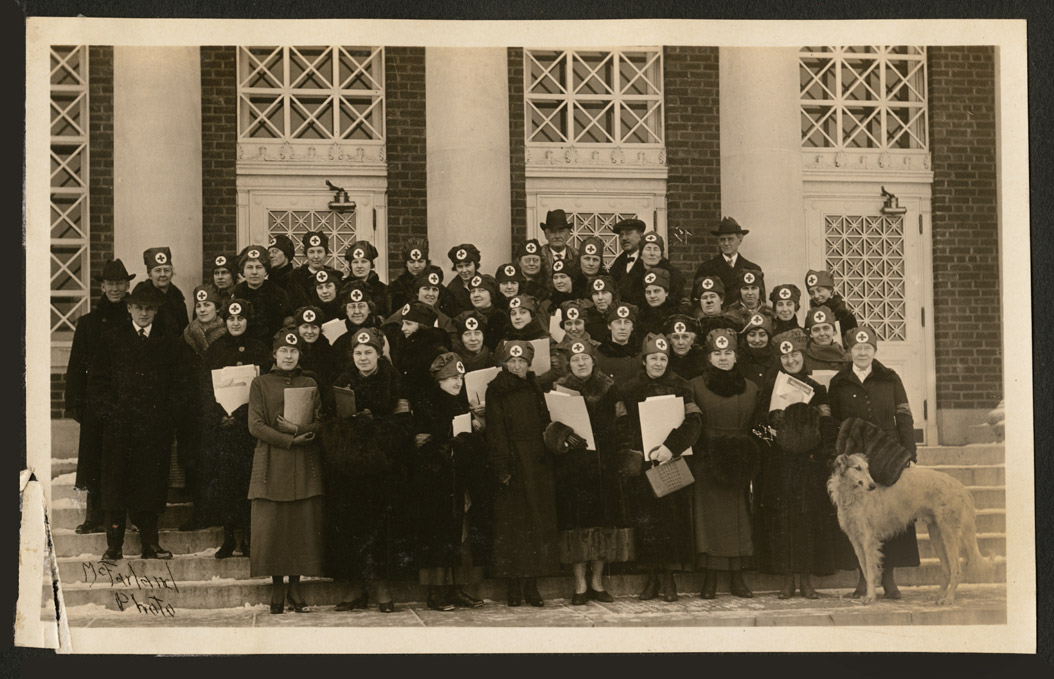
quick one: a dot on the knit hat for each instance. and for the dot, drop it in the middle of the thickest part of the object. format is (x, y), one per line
(371, 337)
(360, 249)
(283, 243)
(886, 457)
(420, 313)
(604, 284)
(790, 341)
(314, 239)
(784, 292)
(565, 267)
(254, 253)
(470, 320)
(446, 365)
(822, 279)
(466, 252)
(653, 237)
(861, 334)
(678, 323)
(432, 276)
(729, 225)
(655, 344)
(146, 294)
(578, 346)
(206, 293)
(531, 247)
(629, 224)
(355, 291)
(113, 270)
(416, 250)
(720, 339)
(156, 257)
(308, 314)
(527, 302)
(751, 277)
(709, 284)
(758, 321)
(509, 272)
(517, 349)
(592, 246)
(237, 307)
(485, 281)
(622, 310)
(575, 309)
(819, 315)
(659, 277)
(286, 338)
(555, 219)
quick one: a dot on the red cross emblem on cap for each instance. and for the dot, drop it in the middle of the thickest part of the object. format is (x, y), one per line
(572, 314)
(314, 240)
(679, 327)
(558, 265)
(477, 281)
(861, 337)
(433, 278)
(532, 248)
(660, 344)
(234, 309)
(461, 254)
(471, 324)
(578, 347)
(516, 350)
(623, 311)
(786, 347)
(819, 317)
(748, 278)
(358, 254)
(708, 283)
(650, 238)
(811, 280)
(272, 241)
(221, 261)
(406, 309)
(514, 303)
(785, 293)
(510, 270)
(460, 367)
(309, 315)
(290, 338)
(254, 254)
(650, 278)
(322, 276)
(721, 342)
(591, 249)
(160, 258)
(202, 294)
(356, 295)
(598, 285)
(415, 254)
(757, 320)
(363, 338)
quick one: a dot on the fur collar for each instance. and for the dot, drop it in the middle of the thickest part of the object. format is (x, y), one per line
(507, 383)
(763, 356)
(724, 382)
(378, 392)
(832, 353)
(878, 372)
(593, 388)
(531, 331)
(612, 349)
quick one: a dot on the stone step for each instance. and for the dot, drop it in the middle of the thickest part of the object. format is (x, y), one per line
(63, 465)
(174, 516)
(985, 454)
(228, 593)
(70, 544)
(65, 437)
(988, 497)
(975, 475)
(990, 545)
(66, 491)
(987, 521)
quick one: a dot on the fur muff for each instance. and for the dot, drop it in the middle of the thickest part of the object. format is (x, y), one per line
(732, 461)
(799, 430)
(556, 435)
(886, 458)
(630, 463)
(351, 448)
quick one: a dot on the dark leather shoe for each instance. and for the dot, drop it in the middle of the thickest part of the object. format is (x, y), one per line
(438, 601)
(386, 607)
(600, 595)
(787, 591)
(514, 593)
(297, 606)
(225, 551)
(808, 591)
(277, 608)
(113, 554)
(739, 588)
(463, 600)
(669, 589)
(361, 601)
(709, 586)
(530, 593)
(651, 589)
(156, 552)
(86, 528)
(580, 598)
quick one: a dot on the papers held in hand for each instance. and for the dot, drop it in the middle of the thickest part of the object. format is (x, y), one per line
(476, 385)
(334, 329)
(788, 390)
(542, 362)
(659, 415)
(230, 385)
(462, 424)
(571, 410)
(300, 405)
(345, 399)
(823, 376)
(556, 330)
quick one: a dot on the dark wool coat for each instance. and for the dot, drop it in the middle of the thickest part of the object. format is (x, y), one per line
(228, 445)
(717, 266)
(91, 328)
(679, 289)
(689, 366)
(842, 314)
(597, 325)
(631, 283)
(380, 294)
(330, 310)
(525, 538)
(441, 471)
(343, 346)
(412, 356)
(653, 318)
(498, 325)
(271, 309)
(281, 276)
(459, 293)
(727, 461)
(140, 389)
(620, 362)
(780, 326)
(172, 314)
(796, 528)
(663, 525)
(758, 365)
(401, 291)
(367, 488)
(300, 285)
(484, 358)
(318, 360)
(881, 400)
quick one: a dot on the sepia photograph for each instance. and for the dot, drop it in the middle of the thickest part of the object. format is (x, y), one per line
(365, 326)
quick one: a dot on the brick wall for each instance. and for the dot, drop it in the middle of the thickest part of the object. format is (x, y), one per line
(967, 316)
(219, 153)
(517, 161)
(58, 395)
(404, 69)
(693, 151)
(100, 161)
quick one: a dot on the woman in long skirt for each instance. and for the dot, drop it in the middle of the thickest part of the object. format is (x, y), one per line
(286, 482)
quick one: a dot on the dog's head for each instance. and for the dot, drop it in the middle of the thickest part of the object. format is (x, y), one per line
(853, 470)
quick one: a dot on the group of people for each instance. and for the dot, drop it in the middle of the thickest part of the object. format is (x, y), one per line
(409, 478)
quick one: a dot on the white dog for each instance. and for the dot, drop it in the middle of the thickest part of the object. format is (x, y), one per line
(869, 514)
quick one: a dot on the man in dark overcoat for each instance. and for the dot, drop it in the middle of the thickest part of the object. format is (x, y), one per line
(138, 384)
(628, 267)
(110, 311)
(727, 263)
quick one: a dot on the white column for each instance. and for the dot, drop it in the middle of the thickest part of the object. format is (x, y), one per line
(467, 110)
(761, 168)
(157, 158)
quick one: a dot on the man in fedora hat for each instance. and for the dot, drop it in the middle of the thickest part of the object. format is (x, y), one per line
(557, 232)
(139, 386)
(110, 311)
(728, 263)
(628, 268)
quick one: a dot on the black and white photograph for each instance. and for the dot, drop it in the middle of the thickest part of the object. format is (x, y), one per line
(364, 332)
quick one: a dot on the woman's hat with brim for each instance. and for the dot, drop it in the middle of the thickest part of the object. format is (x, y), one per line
(729, 226)
(517, 349)
(146, 294)
(113, 270)
(446, 365)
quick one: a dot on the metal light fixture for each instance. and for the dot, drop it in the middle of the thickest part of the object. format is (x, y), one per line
(892, 205)
(340, 202)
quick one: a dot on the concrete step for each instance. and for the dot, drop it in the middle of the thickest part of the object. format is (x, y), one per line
(174, 516)
(988, 497)
(987, 521)
(63, 465)
(65, 436)
(70, 544)
(975, 475)
(161, 581)
(985, 454)
(65, 491)
(990, 544)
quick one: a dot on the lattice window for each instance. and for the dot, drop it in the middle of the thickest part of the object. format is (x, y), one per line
(863, 97)
(311, 93)
(866, 256)
(586, 224)
(70, 284)
(339, 226)
(593, 97)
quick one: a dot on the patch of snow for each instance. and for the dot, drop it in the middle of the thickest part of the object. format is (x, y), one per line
(68, 503)
(65, 479)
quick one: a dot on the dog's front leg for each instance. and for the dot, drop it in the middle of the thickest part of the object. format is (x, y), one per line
(873, 572)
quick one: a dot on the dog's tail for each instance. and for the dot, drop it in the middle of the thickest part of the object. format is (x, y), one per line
(979, 568)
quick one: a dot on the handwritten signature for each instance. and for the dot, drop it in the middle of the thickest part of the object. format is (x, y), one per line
(107, 572)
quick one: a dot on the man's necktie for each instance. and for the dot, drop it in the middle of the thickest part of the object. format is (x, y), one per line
(142, 335)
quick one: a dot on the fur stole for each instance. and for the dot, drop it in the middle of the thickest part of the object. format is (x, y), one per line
(689, 366)
(592, 389)
(378, 392)
(886, 458)
(832, 353)
(352, 447)
(724, 383)
(732, 460)
(799, 431)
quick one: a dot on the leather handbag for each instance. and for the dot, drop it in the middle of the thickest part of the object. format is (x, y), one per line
(670, 476)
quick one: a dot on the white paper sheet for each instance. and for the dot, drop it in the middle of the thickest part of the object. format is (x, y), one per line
(231, 385)
(659, 415)
(299, 405)
(571, 410)
(787, 390)
(334, 329)
(555, 330)
(542, 362)
(462, 424)
(476, 384)
(823, 376)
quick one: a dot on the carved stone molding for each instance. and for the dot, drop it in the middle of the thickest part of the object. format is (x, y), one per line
(593, 157)
(866, 161)
(262, 153)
